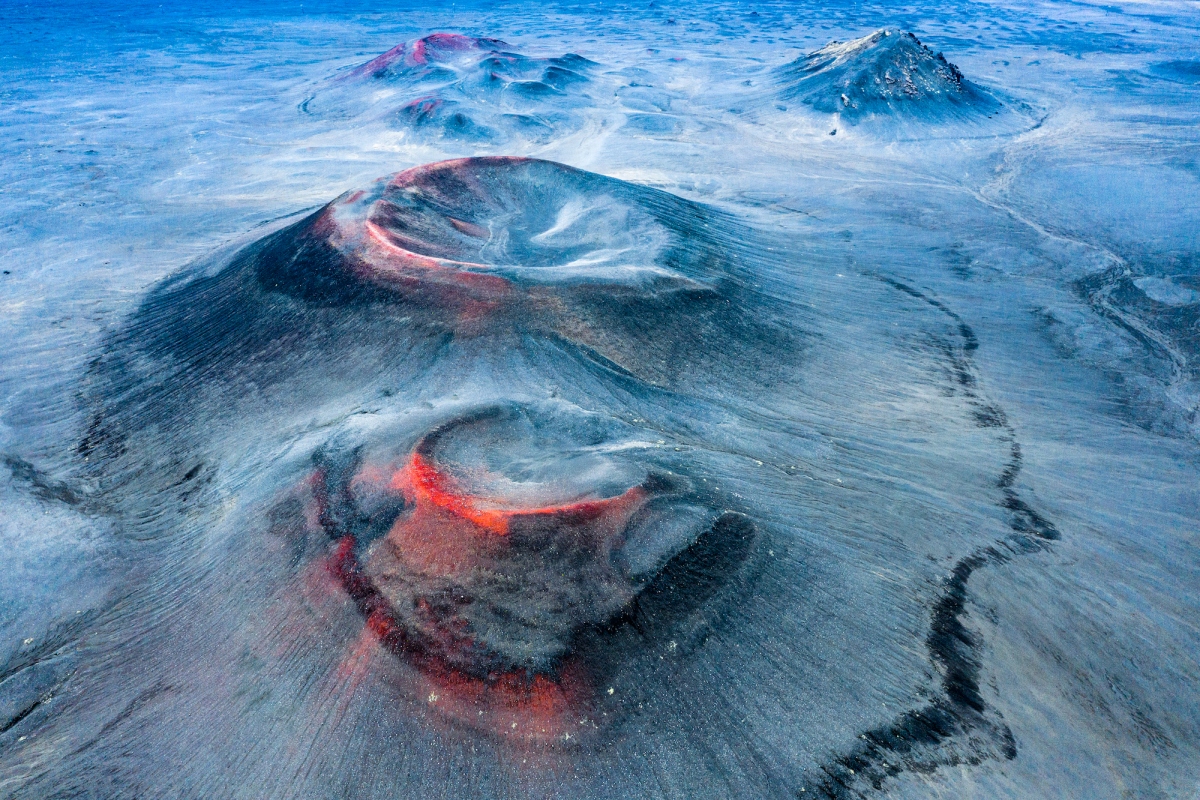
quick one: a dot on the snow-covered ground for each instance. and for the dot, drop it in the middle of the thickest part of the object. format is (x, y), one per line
(863, 463)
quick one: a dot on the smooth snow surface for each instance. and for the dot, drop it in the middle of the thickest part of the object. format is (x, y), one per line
(567, 401)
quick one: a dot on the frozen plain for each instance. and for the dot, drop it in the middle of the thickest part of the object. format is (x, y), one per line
(952, 385)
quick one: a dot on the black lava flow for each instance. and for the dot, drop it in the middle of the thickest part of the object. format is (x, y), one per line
(917, 740)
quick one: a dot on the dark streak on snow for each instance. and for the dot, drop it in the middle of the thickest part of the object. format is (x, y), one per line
(41, 486)
(957, 727)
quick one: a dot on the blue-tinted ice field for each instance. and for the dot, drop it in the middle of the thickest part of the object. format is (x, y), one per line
(548, 400)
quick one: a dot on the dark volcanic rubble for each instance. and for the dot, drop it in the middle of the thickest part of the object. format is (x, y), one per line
(886, 73)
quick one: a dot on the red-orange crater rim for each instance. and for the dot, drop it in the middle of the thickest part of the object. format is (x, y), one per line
(489, 223)
(427, 484)
(450, 183)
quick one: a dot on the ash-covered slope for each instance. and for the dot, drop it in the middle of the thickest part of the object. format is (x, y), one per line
(463, 88)
(886, 73)
(499, 459)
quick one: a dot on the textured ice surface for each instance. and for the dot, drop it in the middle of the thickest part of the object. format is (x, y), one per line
(361, 439)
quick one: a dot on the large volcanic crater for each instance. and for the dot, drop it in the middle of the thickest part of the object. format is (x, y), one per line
(520, 556)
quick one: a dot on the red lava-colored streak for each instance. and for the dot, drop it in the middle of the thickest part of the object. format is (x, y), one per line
(423, 107)
(380, 64)
(442, 43)
(448, 529)
(429, 486)
(389, 255)
(426, 484)
(420, 249)
(373, 254)
(436, 47)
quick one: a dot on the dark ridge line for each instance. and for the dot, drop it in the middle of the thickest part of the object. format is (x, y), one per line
(1096, 292)
(25, 712)
(135, 705)
(987, 415)
(597, 359)
(41, 486)
(1160, 346)
(54, 646)
(48, 490)
(889, 750)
